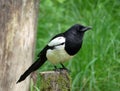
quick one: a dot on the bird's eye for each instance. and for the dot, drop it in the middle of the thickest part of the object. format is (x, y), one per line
(79, 28)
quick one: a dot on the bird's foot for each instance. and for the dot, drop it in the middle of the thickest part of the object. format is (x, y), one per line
(64, 68)
(56, 69)
(61, 69)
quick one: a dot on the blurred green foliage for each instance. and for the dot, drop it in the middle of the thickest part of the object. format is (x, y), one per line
(97, 66)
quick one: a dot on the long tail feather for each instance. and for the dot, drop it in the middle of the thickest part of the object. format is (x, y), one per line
(32, 68)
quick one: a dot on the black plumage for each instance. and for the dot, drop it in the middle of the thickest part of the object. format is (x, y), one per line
(69, 42)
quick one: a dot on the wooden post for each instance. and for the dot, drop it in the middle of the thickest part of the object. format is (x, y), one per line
(55, 81)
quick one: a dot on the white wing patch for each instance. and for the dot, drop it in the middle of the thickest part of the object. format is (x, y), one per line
(56, 41)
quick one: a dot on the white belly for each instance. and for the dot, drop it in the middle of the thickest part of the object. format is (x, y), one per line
(58, 55)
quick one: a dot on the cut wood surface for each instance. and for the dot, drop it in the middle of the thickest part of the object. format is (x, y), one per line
(55, 81)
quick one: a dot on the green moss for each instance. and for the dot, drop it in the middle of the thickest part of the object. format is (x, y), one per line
(61, 81)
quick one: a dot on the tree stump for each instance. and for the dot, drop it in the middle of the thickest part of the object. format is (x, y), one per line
(55, 81)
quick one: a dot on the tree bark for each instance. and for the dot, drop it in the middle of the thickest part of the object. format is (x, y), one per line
(18, 20)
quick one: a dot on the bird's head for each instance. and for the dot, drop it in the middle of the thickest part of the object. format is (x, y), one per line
(81, 28)
(77, 30)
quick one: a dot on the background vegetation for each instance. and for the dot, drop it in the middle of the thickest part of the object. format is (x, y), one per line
(97, 66)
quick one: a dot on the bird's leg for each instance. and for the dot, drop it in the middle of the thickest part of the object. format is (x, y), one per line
(64, 68)
(56, 69)
(60, 69)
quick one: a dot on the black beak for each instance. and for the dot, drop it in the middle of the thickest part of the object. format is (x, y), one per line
(86, 28)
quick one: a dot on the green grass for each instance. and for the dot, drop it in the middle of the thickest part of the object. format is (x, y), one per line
(97, 66)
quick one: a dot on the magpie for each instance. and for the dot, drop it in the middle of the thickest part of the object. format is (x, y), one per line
(60, 48)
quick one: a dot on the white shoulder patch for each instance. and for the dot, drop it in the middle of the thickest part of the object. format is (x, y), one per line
(56, 41)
